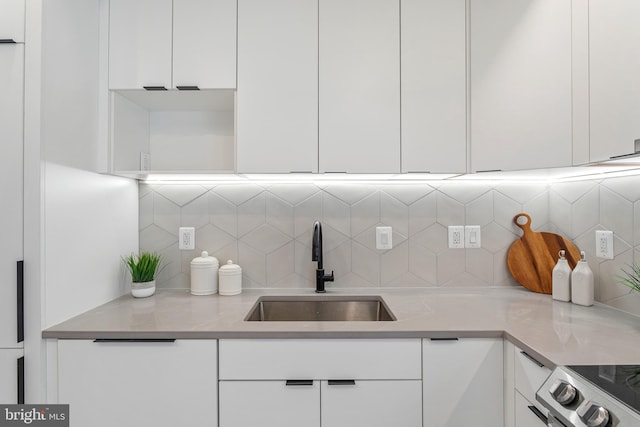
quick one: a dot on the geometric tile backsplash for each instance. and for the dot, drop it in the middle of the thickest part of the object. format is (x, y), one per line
(266, 228)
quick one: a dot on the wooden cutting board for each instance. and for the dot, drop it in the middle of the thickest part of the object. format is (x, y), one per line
(532, 257)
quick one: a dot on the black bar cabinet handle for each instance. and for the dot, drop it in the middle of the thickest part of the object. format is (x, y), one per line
(20, 300)
(443, 339)
(538, 414)
(341, 382)
(134, 340)
(154, 87)
(528, 356)
(299, 382)
(21, 381)
(7, 41)
(187, 88)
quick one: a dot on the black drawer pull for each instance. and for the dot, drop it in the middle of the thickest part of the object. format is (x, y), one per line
(135, 340)
(341, 382)
(20, 299)
(443, 339)
(154, 87)
(528, 356)
(187, 88)
(7, 41)
(296, 383)
(538, 414)
(21, 381)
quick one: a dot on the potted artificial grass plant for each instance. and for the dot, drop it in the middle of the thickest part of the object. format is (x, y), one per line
(144, 269)
(631, 278)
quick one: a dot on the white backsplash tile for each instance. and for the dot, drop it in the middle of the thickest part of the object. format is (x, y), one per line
(267, 229)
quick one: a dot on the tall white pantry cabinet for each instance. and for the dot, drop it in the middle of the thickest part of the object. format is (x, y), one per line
(11, 199)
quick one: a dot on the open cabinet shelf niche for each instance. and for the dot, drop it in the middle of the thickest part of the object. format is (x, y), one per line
(172, 132)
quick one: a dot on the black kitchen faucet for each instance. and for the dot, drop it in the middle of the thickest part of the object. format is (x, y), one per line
(316, 255)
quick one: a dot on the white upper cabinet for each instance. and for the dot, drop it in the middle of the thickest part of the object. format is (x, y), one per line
(520, 84)
(204, 43)
(434, 86)
(11, 182)
(139, 43)
(614, 61)
(277, 104)
(12, 20)
(359, 86)
(165, 43)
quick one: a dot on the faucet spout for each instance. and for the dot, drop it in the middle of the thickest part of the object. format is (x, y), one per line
(316, 255)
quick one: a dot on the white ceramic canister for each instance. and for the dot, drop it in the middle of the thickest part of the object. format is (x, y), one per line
(561, 279)
(230, 279)
(204, 275)
(582, 283)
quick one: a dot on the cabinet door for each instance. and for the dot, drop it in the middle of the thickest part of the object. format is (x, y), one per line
(277, 86)
(614, 95)
(520, 65)
(204, 43)
(371, 403)
(359, 86)
(139, 43)
(11, 131)
(465, 373)
(12, 20)
(529, 375)
(269, 403)
(139, 383)
(527, 415)
(434, 86)
(10, 376)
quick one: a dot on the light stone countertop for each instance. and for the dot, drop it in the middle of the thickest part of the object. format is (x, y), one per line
(557, 333)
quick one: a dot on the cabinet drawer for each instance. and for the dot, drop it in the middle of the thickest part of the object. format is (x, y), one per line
(529, 375)
(529, 414)
(320, 359)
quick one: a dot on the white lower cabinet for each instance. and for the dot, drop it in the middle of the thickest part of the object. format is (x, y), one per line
(328, 383)
(139, 383)
(463, 382)
(11, 376)
(527, 414)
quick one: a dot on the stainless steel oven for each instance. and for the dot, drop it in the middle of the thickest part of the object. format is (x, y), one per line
(592, 396)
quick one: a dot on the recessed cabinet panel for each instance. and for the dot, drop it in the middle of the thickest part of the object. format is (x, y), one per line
(359, 86)
(614, 61)
(12, 20)
(11, 179)
(372, 404)
(204, 43)
(269, 403)
(520, 83)
(277, 86)
(466, 373)
(140, 43)
(139, 383)
(434, 86)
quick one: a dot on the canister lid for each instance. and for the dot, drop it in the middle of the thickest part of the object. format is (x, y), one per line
(230, 268)
(204, 259)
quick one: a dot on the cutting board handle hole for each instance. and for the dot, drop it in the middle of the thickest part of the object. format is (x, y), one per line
(522, 220)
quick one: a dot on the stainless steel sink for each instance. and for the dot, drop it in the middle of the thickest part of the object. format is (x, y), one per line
(320, 309)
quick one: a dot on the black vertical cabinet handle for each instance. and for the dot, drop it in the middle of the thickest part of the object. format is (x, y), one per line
(20, 397)
(20, 300)
(7, 41)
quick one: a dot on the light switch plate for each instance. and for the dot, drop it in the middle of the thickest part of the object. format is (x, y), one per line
(186, 238)
(384, 238)
(456, 236)
(604, 244)
(472, 236)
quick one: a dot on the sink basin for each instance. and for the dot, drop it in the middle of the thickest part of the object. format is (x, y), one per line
(320, 309)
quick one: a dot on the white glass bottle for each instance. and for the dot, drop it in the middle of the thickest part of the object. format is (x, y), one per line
(561, 279)
(582, 283)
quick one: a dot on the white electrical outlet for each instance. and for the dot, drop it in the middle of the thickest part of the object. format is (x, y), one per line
(472, 236)
(604, 244)
(145, 161)
(187, 238)
(383, 238)
(456, 236)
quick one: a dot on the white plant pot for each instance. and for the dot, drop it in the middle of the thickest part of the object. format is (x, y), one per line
(143, 289)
